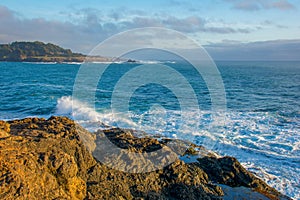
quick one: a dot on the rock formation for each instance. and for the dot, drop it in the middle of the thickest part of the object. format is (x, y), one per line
(49, 159)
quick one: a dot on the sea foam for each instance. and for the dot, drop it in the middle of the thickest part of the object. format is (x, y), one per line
(267, 149)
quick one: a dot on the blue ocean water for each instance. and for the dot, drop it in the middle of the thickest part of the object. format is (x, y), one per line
(262, 119)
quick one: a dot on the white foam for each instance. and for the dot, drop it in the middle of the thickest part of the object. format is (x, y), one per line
(43, 63)
(76, 110)
(296, 147)
(72, 63)
(87, 116)
(270, 150)
(149, 62)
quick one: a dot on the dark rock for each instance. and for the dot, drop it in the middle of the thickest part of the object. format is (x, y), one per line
(131, 61)
(126, 140)
(191, 151)
(228, 171)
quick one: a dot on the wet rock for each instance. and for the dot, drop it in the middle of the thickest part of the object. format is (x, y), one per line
(228, 171)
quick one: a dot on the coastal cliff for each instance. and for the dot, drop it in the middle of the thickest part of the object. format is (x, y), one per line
(47, 159)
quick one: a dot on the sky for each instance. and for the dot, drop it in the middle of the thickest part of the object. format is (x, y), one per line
(228, 29)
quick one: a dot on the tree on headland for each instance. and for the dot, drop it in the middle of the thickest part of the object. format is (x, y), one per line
(37, 51)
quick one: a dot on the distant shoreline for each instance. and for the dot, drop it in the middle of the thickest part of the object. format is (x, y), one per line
(40, 52)
(65, 60)
(47, 60)
(87, 60)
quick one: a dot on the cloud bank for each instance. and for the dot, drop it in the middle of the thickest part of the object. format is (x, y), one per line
(285, 50)
(89, 27)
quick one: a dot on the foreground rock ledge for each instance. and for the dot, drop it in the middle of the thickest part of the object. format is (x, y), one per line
(47, 159)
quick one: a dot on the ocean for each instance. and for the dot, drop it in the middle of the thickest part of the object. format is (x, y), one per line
(260, 126)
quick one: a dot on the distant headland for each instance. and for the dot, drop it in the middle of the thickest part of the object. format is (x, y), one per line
(37, 52)
(41, 52)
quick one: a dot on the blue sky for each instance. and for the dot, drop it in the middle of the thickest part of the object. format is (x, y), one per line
(216, 24)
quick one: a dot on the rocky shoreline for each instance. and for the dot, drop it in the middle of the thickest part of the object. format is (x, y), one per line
(57, 159)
